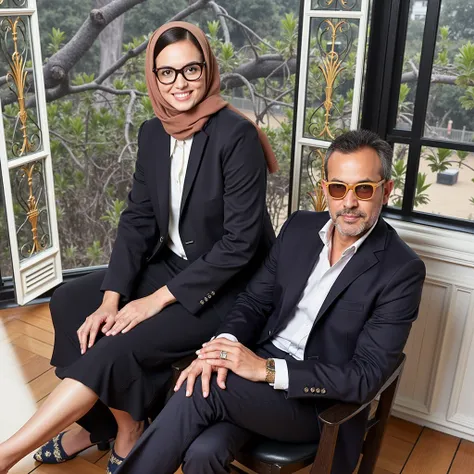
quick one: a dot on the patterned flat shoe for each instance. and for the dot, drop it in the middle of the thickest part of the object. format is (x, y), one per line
(53, 452)
(114, 462)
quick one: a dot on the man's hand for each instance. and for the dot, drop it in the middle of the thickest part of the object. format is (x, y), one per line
(199, 367)
(141, 309)
(239, 359)
(104, 314)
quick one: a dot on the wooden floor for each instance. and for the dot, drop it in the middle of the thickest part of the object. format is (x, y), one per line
(26, 339)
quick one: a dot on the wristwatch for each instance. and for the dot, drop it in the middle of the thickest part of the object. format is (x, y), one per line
(270, 375)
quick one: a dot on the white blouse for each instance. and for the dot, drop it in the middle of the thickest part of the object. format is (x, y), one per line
(179, 157)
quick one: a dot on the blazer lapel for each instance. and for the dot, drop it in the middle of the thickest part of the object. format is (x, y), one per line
(195, 157)
(362, 261)
(163, 169)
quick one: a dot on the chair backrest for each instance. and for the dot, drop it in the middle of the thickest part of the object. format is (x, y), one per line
(338, 414)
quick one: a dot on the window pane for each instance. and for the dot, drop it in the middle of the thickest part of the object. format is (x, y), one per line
(344, 5)
(311, 197)
(13, 3)
(330, 77)
(451, 101)
(399, 171)
(31, 211)
(411, 64)
(5, 257)
(445, 183)
(19, 109)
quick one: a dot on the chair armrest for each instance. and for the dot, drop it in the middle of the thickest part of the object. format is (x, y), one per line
(342, 412)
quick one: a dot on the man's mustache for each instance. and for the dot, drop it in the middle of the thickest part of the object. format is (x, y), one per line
(348, 212)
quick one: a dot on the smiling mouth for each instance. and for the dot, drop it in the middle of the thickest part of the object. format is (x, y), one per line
(182, 96)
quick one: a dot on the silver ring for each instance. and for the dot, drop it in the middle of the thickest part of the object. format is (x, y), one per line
(223, 355)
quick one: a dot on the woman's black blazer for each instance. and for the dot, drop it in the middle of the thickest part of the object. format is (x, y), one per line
(224, 224)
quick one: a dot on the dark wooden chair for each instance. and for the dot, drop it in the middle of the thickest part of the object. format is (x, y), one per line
(266, 456)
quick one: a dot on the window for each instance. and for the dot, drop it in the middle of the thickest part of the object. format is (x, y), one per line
(426, 101)
(331, 79)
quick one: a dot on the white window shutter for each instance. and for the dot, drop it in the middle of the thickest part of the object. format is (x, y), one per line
(25, 155)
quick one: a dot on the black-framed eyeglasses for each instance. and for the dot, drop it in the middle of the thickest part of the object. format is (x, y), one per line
(191, 72)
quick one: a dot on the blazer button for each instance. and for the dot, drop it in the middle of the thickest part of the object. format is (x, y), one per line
(162, 238)
(270, 332)
(318, 390)
(312, 389)
(323, 391)
(306, 390)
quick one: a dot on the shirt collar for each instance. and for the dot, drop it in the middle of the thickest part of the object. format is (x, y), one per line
(326, 236)
(186, 142)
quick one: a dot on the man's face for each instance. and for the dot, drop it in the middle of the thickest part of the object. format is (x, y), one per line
(353, 217)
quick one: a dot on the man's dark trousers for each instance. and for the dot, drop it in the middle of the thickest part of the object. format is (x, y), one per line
(221, 424)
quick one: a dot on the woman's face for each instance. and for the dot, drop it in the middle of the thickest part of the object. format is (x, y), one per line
(182, 94)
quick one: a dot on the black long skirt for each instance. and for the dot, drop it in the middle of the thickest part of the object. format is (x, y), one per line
(132, 371)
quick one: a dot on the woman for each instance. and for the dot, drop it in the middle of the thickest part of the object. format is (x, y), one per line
(195, 229)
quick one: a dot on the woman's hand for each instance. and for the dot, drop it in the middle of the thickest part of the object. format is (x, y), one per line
(203, 369)
(141, 309)
(104, 314)
(239, 359)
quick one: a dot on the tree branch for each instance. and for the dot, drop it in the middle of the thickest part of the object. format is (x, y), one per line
(60, 64)
(246, 28)
(67, 148)
(243, 80)
(218, 12)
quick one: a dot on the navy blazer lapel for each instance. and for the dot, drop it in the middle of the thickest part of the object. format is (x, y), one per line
(362, 261)
(195, 157)
(163, 170)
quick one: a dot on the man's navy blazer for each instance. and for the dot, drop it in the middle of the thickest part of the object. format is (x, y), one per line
(362, 327)
(224, 225)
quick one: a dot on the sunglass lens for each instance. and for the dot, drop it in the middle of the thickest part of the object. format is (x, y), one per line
(336, 190)
(364, 191)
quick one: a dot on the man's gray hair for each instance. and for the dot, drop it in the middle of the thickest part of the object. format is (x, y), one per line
(355, 140)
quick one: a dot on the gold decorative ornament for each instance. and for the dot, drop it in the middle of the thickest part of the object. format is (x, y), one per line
(331, 67)
(317, 194)
(18, 75)
(330, 2)
(33, 211)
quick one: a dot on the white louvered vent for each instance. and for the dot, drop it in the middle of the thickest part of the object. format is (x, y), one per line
(38, 275)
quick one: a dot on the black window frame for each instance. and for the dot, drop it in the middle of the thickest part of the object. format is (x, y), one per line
(380, 104)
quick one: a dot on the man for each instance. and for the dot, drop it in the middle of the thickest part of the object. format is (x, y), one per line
(325, 318)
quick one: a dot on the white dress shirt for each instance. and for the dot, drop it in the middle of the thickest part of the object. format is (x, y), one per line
(179, 157)
(292, 339)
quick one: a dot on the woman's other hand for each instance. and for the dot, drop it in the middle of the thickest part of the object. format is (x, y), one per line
(141, 309)
(104, 315)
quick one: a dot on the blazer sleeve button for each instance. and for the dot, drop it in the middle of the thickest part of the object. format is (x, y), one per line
(313, 389)
(323, 391)
(306, 390)
(202, 302)
(318, 390)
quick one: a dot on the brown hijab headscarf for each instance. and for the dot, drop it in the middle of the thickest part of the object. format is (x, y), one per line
(182, 125)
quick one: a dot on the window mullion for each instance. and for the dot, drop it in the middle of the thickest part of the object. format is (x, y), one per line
(421, 102)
